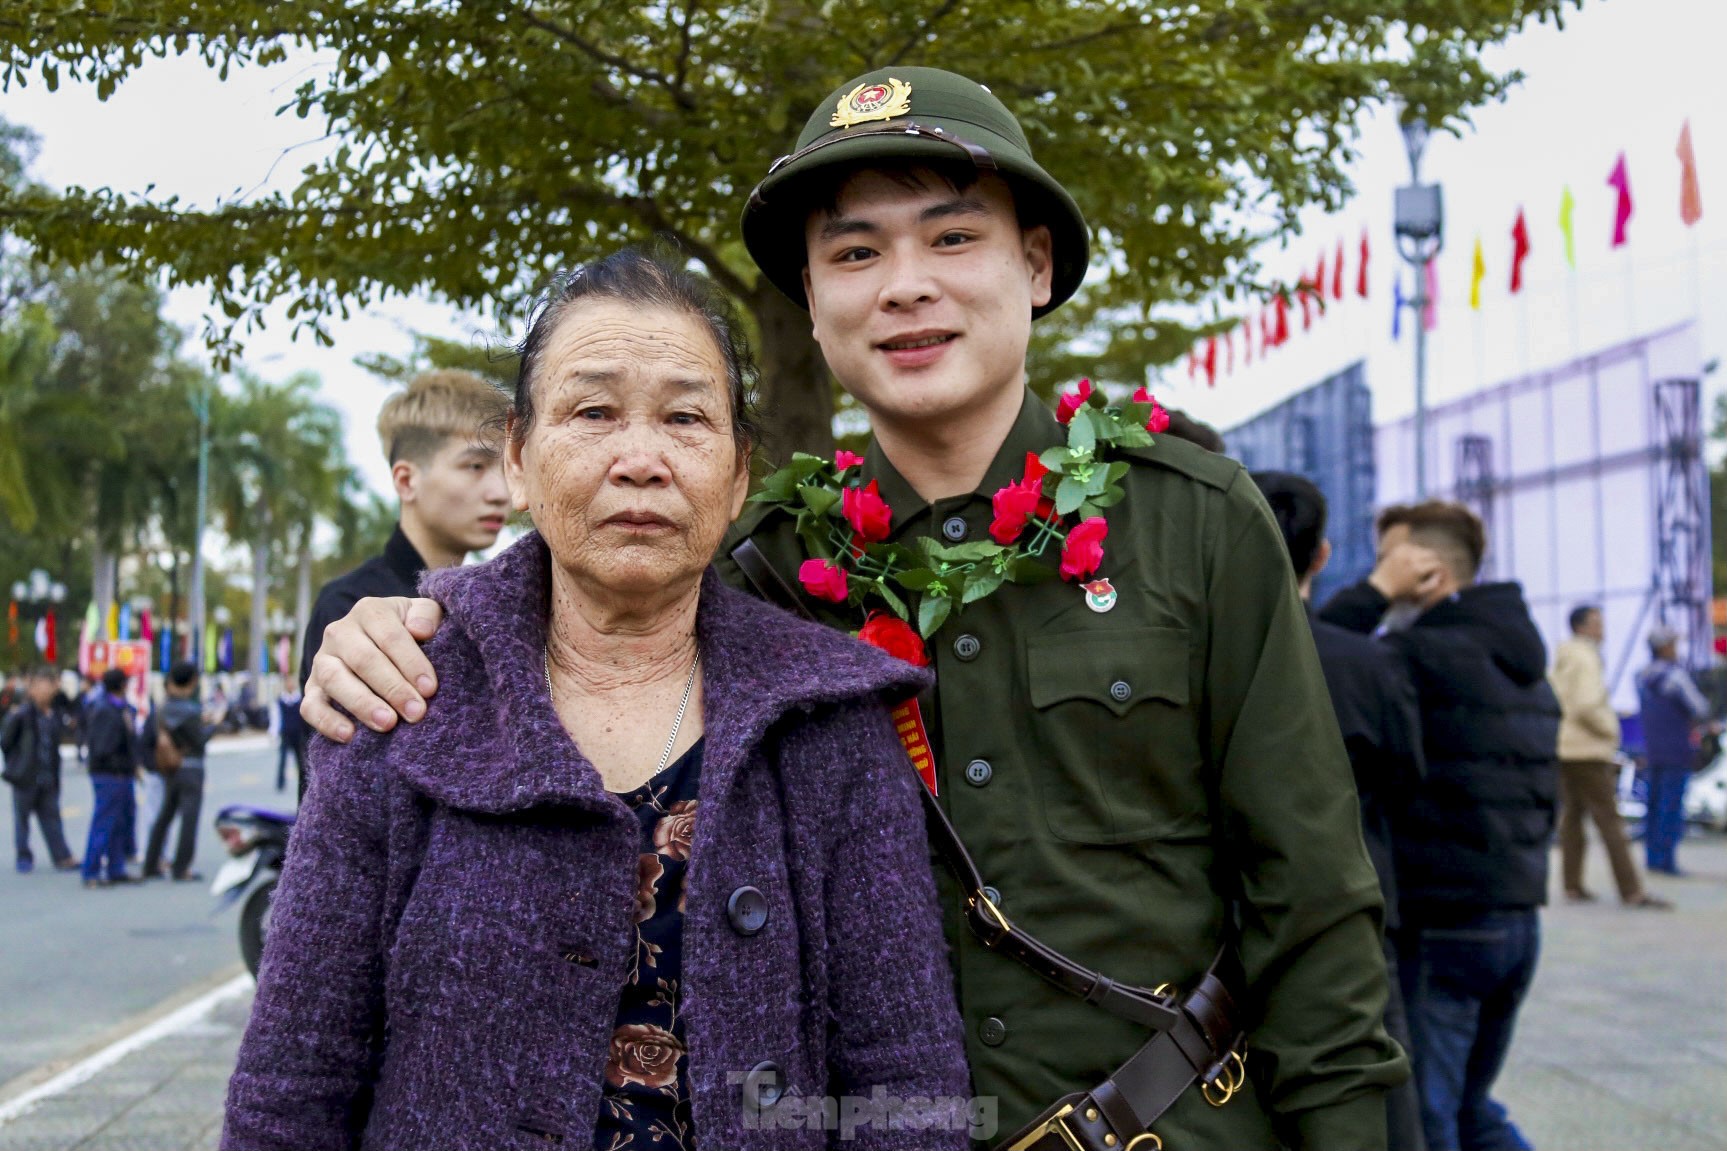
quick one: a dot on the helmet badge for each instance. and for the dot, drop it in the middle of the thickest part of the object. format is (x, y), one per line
(871, 101)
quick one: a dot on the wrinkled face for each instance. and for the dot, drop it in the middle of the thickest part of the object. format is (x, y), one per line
(459, 494)
(921, 297)
(630, 469)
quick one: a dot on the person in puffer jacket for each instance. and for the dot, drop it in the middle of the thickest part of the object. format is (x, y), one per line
(1472, 845)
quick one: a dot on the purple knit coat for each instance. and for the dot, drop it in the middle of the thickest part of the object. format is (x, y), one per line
(455, 923)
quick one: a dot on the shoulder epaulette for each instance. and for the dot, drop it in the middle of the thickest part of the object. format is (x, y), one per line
(1191, 460)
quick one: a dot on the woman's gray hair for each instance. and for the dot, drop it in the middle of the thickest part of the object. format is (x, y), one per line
(656, 279)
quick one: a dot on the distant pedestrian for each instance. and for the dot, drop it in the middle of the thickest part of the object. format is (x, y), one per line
(1379, 716)
(1472, 846)
(1588, 767)
(112, 742)
(30, 737)
(181, 720)
(292, 732)
(1674, 712)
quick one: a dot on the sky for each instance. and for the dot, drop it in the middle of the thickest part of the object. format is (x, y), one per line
(1623, 76)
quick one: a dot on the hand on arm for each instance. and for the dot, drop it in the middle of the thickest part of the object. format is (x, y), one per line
(370, 665)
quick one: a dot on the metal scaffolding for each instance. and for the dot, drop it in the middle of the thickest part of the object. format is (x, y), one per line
(1474, 469)
(1682, 577)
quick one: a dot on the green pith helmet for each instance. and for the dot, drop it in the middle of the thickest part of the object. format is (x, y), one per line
(909, 114)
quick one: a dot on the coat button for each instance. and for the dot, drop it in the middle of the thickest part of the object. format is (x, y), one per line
(978, 771)
(747, 909)
(1120, 691)
(763, 1086)
(967, 646)
(992, 1031)
(954, 528)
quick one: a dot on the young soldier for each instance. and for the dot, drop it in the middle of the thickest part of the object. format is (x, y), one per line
(1132, 771)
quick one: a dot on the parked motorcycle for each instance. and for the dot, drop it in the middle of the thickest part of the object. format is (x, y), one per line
(257, 840)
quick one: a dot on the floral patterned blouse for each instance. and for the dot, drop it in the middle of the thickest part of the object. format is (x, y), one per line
(645, 1101)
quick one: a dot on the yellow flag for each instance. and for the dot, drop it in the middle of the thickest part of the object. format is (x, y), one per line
(1566, 204)
(113, 620)
(1476, 275)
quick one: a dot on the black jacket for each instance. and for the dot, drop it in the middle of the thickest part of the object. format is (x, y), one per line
(113, 744)
(395, 573)
(31, 759)
(1378, 715)
(1476, 834)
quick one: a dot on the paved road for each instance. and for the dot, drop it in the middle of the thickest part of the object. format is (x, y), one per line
(1622, 1046)
(76, 964)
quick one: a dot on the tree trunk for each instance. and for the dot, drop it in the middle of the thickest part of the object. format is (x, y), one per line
(302, 598)
(104, 575)
(797, 397)
(258, 643)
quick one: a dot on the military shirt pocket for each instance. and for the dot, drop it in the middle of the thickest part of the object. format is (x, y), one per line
(1117, 757)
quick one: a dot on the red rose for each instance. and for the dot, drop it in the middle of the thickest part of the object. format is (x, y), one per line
(894, 636)
(1013, 505)
(1071, 402)
(1158, 422)
(648, 873)
(867, 512)
(1083, 551)
(823, 579)
(844, 459)
(645, 1054)
(676, 829)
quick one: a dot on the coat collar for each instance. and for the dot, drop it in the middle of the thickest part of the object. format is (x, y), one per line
(491, 741)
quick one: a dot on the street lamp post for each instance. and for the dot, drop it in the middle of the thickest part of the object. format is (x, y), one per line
(195, 604)
(38, 594)
(1419, 221)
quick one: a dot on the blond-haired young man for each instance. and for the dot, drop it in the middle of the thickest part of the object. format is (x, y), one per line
(449, 480)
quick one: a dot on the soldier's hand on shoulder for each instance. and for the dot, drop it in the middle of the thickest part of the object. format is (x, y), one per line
(370, 665)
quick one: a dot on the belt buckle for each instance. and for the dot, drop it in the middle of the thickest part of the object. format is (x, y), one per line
(1055, 1124)
(1237, 1079)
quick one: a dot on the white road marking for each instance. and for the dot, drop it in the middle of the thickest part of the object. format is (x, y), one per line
(83, 1071)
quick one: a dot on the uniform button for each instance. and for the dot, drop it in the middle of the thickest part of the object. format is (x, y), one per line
(763, 1086)
(1120, 691)
(992, 1031)
(978, 771)
(992, 895)
(967, 647)
(747, 909)
(954, 528)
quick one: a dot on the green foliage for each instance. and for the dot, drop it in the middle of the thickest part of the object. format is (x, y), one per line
(480, 145)
(494, 362)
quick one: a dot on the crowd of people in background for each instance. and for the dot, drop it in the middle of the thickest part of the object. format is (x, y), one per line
(1468, 751)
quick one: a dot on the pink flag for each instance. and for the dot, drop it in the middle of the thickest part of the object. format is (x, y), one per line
(1519, 251)
(1690, 195)
(1361, 269)
(1337, 272)
(1621, 179)
(1430, 314)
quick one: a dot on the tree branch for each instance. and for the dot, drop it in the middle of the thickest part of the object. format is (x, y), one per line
(923, 30)
(596, 53)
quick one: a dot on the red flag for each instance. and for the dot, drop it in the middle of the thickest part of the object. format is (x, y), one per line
(1361, 269)
(1304, 297)
(51, 649)
(1211, 362)
(1192, 363)
(1337, 272)
(1519, 250)
(1280, 320)
(1247, 342)
(1690, 196)
(1266, 332)
(1229, 352)
(1319, 284)
(1430, 314)
(146, 627)
(1620, 179)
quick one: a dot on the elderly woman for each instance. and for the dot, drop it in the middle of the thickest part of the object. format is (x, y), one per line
(652, 875)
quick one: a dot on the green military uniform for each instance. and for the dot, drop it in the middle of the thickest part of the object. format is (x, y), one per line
(1118, 776)
(1121, 776)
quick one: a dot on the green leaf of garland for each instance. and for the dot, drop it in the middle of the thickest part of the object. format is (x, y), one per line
(932, 613)
(1069, 494)
(819, 500)
(979, 585)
